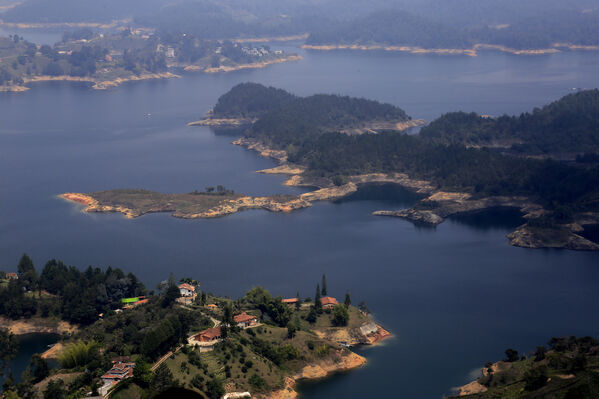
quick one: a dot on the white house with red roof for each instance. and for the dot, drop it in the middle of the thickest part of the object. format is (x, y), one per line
(187, 290)
(328, 302)
(245, 320)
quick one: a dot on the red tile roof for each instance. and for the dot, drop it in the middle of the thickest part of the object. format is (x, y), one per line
(328, 300)
(211, 333)
(187, 287)
(290, 300)
(242, 318)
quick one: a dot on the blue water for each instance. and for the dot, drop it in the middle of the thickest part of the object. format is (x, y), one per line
(455, 296)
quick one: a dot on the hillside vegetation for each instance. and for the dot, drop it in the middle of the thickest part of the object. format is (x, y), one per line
(568, 369)
(569, 125)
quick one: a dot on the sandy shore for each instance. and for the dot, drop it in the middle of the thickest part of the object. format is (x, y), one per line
(270, 39)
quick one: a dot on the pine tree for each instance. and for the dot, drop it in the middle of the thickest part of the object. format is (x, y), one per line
(317, 303)
(298, 304)
(324, 285)
(347, 301)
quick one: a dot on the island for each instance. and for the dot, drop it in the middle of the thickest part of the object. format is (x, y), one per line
(128, 342)
(565, 368)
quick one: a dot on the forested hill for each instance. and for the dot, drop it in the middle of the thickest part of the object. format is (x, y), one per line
(285, 119)
(392, 27)
(309, 130)
(400, 28)
(250, 100)
(569, 125)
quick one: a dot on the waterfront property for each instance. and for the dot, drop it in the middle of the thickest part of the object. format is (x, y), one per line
(245, 320)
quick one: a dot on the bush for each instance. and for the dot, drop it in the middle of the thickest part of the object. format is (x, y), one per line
(257, 382)
(78, 354)
(535, 379)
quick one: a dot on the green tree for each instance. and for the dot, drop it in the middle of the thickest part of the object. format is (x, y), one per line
(9, 348)
(324, 285)
(215, 388)
(55, 390)
(298, 303)
(512, 355)
(317, 303)
(540, 353)
(312, 315)
(163, 379)
(142, 373)
(347, 301)
(340, 315)
(39, 368)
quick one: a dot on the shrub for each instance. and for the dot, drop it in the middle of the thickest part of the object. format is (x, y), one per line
(78, 354)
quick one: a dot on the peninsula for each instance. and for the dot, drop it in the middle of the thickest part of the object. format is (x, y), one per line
(131, 342)
(337, 144)
(110, 59)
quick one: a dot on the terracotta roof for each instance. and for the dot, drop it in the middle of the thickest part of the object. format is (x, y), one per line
(187, 287)
(328, 300)
(242, 318)
(290, 300)
(212, 306)
(11, 275)
(213, 332)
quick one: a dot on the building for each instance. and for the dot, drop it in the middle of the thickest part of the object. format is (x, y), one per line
(328, 302)
(212, 307)
(187, 290)
(119, 372)
(290, 301)
(134, 304)
(245, 320)
(12, 276)
(209, 335)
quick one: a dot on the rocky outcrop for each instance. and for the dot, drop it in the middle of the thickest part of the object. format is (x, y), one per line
(220, 122)
(526, 236)
(261, 148)
(368, 334)
(233, 206)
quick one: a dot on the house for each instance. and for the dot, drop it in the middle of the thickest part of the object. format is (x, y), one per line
(209, 335)
(119, 372)
(186, 289)
(212, 307)
(290, 301)
(12, 276)
(328, 302)
(245, 320)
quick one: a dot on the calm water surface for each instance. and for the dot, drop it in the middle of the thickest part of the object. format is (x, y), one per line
(455, 296)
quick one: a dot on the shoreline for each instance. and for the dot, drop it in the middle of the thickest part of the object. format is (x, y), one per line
(318, 371)
(446, 203)
(255, 65)
(471, 52)
(36, 325)
(99, 84)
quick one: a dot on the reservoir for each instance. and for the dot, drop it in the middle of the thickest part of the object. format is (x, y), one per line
(455, 296)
